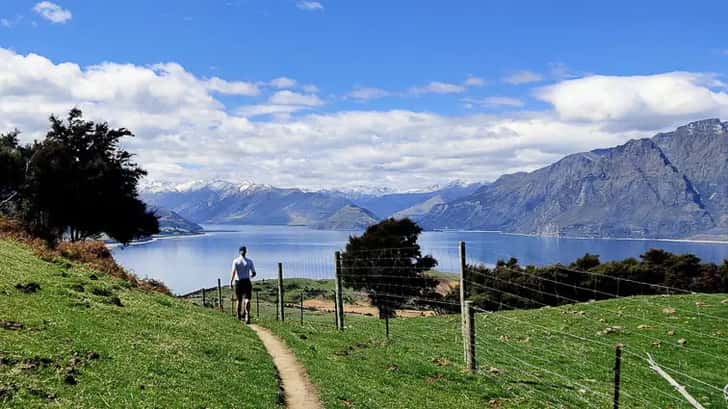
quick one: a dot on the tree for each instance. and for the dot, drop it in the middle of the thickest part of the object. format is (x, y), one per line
(12, 169)
(80, 183)
(387, 263)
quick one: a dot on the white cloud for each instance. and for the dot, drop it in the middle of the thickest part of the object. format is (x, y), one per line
(232, 87)
(282, 82)
(310, 89)
(437, 87)
(294, 98)
(522, 77)
(309, 5)
(367, 93)
(183, 132)
(473, 81)
(642, 101)
(52, 12)
(495, 101)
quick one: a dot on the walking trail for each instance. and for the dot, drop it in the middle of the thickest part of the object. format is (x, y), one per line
(298, 390)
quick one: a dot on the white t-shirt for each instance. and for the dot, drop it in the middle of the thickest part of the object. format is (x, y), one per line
(243, 266)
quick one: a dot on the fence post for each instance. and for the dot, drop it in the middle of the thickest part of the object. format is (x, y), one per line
(463, 295)
(281, 306)
(301, 307)
(257, 302)
(469, 339)
(386, 324)
(219, 296)
(617, 373)
(339, 293)
(204, 299)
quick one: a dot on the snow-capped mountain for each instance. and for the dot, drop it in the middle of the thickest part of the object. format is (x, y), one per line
(220, 202)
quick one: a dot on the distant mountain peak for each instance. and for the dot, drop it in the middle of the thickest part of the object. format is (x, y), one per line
(705, 125)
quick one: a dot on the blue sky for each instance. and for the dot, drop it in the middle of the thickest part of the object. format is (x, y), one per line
(475, 64)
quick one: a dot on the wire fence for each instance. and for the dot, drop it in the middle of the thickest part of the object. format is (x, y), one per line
(568, 337)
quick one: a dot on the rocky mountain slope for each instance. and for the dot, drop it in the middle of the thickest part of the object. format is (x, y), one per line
(670, 186)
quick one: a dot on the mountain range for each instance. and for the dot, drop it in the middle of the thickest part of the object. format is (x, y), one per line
(672, 185)
(223, 202)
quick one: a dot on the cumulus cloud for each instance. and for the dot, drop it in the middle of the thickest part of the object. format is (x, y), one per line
(641, 101)
(473, 81)
(437, 87)
(183, 132)
(367, 93)
(52, 12)
(309, 5)
(232, 87)
(522, 77)
(282, 82)
(294, 98)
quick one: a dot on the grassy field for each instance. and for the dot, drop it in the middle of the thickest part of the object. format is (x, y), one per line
(553, 357)
(72, 337)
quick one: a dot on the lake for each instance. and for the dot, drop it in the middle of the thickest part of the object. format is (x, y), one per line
(188, 263)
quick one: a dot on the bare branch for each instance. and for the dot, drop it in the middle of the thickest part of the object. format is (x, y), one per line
(8, 199)
(673, 382)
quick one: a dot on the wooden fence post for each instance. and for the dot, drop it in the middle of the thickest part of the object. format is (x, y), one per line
(257, 302)
(617, 373)
(339, 293)
(301, 307)
(469, 339)
(281, 305)
(386, 325)
(204, 299)
(219, 296)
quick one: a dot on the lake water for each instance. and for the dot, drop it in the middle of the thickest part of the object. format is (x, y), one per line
(188, 263)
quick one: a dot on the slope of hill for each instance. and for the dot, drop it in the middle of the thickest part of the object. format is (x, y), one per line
(350, 217)
(551, 357)
(670, 186)
(72, 337)
(171, 223)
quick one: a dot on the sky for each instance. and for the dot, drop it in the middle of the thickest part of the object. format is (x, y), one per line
(339, 93)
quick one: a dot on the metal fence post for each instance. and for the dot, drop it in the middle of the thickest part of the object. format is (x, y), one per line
(204, 298)
(281, 306)
(469, 340)
(339, 293)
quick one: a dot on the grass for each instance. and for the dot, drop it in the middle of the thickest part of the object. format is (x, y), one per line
(553, 357)
(73, 337)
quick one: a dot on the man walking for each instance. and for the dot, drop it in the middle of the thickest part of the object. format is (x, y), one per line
(243, 270)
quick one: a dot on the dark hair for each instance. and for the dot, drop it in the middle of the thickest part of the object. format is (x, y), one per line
(242, 249)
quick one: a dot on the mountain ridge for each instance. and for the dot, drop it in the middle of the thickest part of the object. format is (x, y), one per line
(644, 188)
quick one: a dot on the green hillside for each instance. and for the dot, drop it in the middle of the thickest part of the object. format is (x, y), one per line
(72, 337)
(552, 357)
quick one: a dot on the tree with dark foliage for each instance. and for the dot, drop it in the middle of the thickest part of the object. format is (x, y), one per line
(387, 263)
(79, 183)
(509, 286)
(12, 169)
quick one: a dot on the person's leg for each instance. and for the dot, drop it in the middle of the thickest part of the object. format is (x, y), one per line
(248, 290)
(238, 295)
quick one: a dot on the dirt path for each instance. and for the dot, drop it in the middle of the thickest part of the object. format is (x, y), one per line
(298, 390)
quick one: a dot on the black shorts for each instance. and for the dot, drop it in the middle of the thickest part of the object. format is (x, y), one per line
(243, 289)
